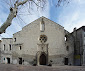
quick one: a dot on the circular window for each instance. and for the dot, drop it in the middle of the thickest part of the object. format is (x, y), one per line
(43, 38)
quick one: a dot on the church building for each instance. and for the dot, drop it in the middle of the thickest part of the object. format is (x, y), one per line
(42, 42)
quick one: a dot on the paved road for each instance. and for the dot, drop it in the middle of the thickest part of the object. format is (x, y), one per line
(9, 67)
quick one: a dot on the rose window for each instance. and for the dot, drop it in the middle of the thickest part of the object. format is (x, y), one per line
(43, 38)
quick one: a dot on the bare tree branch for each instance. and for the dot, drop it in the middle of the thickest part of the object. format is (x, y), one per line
(23, 2)
(13, 13)
(8, 21)
(14, 9)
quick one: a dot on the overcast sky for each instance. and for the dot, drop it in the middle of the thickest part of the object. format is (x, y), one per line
(68, 16)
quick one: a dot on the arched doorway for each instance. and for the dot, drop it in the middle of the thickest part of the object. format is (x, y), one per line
(42, 59)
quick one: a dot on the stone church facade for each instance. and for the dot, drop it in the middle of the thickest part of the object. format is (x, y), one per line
(42, 42)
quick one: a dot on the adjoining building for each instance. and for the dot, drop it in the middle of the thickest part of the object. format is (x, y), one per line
(6, 50)
(43, 42)
(79, 45)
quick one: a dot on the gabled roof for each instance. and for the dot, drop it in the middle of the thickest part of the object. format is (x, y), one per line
(38, 19)
(41, 18)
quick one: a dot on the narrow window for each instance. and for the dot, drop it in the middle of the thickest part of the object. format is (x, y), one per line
(67, 48)
(20, 48)
(65, 38)
(4, 47)
(4, 58)
(10, 46)
(42, 26)
(14, 39)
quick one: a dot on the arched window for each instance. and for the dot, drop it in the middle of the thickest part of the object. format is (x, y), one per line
(14, 39)
(65, 37)
(20, 47)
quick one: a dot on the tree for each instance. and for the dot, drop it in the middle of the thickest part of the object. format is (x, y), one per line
(14, 10)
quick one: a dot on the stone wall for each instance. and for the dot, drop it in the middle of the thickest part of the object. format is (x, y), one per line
(28, 39)
(6, 50)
